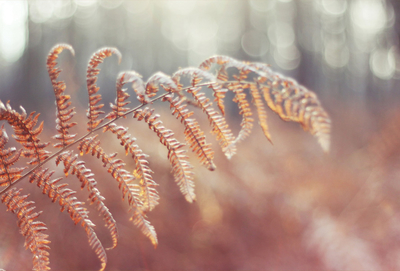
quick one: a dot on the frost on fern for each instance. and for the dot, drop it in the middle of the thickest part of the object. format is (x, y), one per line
(255, 88)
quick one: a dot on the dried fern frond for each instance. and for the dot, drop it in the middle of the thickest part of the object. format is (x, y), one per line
(94, 111)
(35, 240)
(261, 112)
(8, 157)
(194, 136)
(197, 75)
(75, 209)
(148, 193)
(219, 126)
(244, 110)
(118, 110)
(86, 177)
(284, 96)
(294, 102)
(161, 79)
(228, 62)
(25, 133)
(237, 87)
(219, 60)
(181, 168)
(125, 183)
(64, 113)
(138, 86)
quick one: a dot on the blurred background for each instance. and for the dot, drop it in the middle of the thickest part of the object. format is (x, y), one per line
(286, 206)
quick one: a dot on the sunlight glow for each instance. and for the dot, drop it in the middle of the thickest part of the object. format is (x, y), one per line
(13, 31)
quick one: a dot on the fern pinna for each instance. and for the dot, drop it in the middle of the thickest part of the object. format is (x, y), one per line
(284, 96)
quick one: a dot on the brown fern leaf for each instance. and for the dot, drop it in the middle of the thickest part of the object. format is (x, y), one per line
(148, 193)
(64, 113)
(118, 109)
(32, 230)
(224, 61)
(262, 114)
(218, 123)
(138, 86)
(284, 96)
(219, 94)
(219, 126)
(75, 209)
(125, 183)
(181, 168)
(244, 70)
(227, 62)
(94, 111)
(222, 74)
(8, 157)
(194, 136)
(85, 176)
(197, 75)
(244, 110)
(240, 99)
(25, 133)
(219, 60)
(294, 102)
(160, 79)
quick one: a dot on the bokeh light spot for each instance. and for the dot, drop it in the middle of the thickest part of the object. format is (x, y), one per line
(255, 43)
(382, 63)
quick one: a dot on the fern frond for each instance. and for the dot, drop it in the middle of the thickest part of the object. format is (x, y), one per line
(125, 184)
(75, 209)
(160, 79)
(197, 75)
(85, 176)
(138, 86)
(283, 95)
(181, 168)
(227, 62)
(219, 126)
(294, 102)
(261, 112)
(8, 157)
(25, 133)
(148, 193)
(94, 111)
(118, 109)
(31, 229)
(219, 60)
(64, 113)
(244, 110)
(219, 93)
(288, 99)
(194, 136)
